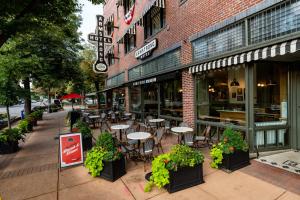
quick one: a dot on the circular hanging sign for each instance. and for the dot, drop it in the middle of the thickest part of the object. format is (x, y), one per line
(100, 67)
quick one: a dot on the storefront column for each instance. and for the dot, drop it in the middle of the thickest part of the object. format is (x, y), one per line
(188, 94)
(126, 99)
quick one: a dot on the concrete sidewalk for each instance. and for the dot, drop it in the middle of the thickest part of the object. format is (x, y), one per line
(33, 173)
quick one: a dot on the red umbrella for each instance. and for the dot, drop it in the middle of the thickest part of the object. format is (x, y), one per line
(72, 96)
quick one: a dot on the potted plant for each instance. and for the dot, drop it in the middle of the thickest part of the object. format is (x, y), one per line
(31, 120)
(232, 152)
(180, 169)
(86, 133)
(105, 159)
(23, 126)
(9, 140)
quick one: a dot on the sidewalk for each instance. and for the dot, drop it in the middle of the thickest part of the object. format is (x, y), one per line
(33, 173)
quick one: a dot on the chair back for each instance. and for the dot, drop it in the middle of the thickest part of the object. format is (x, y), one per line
(103, 115)
(206, 131)
(167, 124)
(148, 146)
(189, 139)
(129, 130)
(129, 122)
(133, 116)
(183, 124)
(159, 134)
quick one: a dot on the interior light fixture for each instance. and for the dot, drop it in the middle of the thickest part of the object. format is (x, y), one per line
(234, 82)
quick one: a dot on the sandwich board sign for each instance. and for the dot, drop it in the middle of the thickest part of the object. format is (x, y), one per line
(70, 146)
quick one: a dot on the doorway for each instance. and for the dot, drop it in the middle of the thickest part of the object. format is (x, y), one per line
(295, 109)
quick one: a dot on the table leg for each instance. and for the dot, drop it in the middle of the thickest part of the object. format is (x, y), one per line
(120, 135)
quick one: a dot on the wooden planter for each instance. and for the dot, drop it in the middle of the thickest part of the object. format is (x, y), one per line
(10, 147)
(184, 178)
(87, 143)
(236, 160)
(113, 170)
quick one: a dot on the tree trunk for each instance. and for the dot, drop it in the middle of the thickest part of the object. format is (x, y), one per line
(97, 86)
(49, 101)
(8, 116)
(27, 105)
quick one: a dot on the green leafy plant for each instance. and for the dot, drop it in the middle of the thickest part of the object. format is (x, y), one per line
(11, 135)
(216, 154)
(179, 156)
(94, 160)
(105, 150)
(23, 126)
(231, 141)
(84, 129)
(106, 141)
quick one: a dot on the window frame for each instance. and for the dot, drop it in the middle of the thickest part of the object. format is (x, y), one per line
(148, 17)
(127, 41)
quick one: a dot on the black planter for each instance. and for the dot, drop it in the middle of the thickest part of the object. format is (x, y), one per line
(30, 127)
(35, 123)
(74, 116)
(113, 170)
(11, 147)
(184, 178)
(236, 160)
(87, 143)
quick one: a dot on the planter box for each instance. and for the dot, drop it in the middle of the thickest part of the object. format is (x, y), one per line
(6, 148)
(87, 143)
(184, 178)
(236, 160)
(113, 170)
(30, 127)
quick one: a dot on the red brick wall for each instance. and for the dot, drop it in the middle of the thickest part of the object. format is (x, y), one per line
(182, 21)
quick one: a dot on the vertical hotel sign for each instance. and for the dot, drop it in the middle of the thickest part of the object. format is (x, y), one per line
(100, 65)
(70, 149)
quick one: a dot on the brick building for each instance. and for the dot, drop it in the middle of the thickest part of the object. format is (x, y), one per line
(209, 63)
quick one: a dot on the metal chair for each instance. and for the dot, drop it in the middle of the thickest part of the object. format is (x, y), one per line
(130, 142)
(188, 139)
(183, 124)
(147, 151)
(129, 152)
(167, 127)
(203, 140)
(158, 137)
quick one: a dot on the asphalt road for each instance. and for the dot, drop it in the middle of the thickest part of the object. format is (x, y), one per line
(16, 109)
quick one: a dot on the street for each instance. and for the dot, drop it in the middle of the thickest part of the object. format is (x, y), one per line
(15, 110)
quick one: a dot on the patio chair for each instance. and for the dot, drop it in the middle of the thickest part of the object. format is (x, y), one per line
(183, 124)
(167, 127)
(130, 123)
(188, 139)
(129, 152)
(150, 126)
(203, 140)
(113, 118)
(158, 137)
(147, 151)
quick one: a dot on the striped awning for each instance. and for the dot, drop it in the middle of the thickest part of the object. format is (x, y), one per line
(131, 30)
(254, 55)
(120, 2)
(139, 20)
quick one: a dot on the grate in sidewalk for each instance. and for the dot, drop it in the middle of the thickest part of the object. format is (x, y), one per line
(27, 171)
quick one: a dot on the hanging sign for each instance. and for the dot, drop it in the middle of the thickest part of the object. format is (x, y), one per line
(70, 149)
(129, 16)
(98, 39)
(146, 50)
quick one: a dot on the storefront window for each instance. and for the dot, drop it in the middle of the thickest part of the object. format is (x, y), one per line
(150, 99)
(135, 99)
(221, 96)
(171, 98)
(119, 99)
(270, 104)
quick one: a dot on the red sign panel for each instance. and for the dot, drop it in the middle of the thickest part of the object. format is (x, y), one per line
(70, 149)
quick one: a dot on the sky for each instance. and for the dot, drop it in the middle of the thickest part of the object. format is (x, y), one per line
(88, 13)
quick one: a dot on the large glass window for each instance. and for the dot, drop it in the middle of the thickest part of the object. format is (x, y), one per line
(129, 42)
(271, 104)
(171, 98)
(119, 99)
(221, 96)
(135, 99)
(150, 92)
(154, 20)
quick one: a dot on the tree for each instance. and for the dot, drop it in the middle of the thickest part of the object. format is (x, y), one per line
(22, 16)
(98, 80)
(9, 88)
